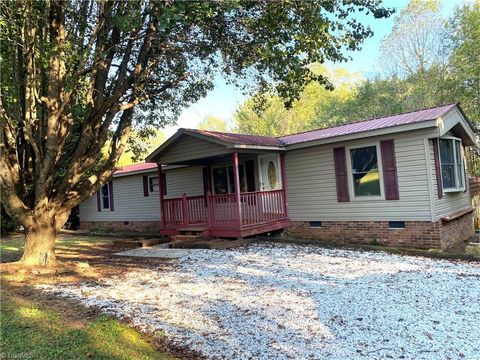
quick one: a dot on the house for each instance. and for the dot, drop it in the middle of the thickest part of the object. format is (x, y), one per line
(397, 180)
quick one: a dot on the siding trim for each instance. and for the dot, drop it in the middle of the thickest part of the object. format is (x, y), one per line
(438, 169)
(428, 167)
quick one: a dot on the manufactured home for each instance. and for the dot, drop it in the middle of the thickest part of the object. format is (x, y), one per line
(398, 180)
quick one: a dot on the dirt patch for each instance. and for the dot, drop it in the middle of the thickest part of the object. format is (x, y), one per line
(78, 316)
(78, 260)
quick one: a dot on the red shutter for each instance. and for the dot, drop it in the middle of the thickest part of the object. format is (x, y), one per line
(163, 183)
(145, 185)
(99, 201)
(341, 174)
(390, 177)
(250, 173)
(438, 169)
(110, 193)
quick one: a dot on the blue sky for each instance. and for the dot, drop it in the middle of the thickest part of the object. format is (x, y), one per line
(224, 99)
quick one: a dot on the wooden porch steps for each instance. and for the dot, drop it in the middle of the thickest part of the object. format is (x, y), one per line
(186, 237)
(189, 234)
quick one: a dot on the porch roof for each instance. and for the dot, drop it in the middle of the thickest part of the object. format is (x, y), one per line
(226, 143)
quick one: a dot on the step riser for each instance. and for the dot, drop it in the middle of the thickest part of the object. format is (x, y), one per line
(186, 237)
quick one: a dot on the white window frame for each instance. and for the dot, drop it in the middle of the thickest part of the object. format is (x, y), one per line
(455, 166)
(229, 186)
(107, 196)
(351, 185)
(151, 187)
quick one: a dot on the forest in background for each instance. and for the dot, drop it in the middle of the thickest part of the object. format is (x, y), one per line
(426, 60)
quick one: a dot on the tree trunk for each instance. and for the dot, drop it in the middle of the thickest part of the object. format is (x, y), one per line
(40, 244)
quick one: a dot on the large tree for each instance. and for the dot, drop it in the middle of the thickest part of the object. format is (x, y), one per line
(418, 40)
(465, 58)
(79, 74)
(212, 123)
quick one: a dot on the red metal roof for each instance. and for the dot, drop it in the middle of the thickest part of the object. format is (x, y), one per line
(368, 125)
(135, 167)
(406, 118)
(240, 139)
(353, 128)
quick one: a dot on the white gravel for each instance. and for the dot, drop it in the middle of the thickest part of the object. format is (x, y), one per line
(299, 302)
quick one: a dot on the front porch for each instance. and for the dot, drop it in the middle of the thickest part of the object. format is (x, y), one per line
(244, 190)
(226, 215)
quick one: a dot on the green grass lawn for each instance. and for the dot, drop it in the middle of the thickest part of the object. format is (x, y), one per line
(33, 327)
(30, 330)
(11, 247)
(14, 243)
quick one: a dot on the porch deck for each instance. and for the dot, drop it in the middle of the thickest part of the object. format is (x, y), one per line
(226, 215)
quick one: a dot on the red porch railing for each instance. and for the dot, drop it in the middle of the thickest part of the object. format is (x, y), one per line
(184, 211)
(196, 210)
(262, 206)
(222, 211)
(172, 212)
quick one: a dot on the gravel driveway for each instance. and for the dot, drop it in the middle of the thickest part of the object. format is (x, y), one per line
(301, 302)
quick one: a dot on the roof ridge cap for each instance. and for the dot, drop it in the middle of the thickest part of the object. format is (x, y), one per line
(230, 133)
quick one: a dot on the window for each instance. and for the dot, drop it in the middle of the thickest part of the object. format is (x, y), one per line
(224, 180)
(105, 197)
(365, 171)
(153, 183)
(451, 159)
(220, 182)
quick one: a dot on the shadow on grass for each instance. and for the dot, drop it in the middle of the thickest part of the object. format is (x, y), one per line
(31, 331)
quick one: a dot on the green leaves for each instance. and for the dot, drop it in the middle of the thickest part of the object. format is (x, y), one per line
(101, 70)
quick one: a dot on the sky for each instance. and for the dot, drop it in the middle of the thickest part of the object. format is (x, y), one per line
(225, 99)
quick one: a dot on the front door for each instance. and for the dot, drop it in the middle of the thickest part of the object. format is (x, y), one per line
(269, 170)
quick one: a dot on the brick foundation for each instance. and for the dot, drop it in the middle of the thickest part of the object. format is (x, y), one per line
(458, 230)
(121, 226)
(417, 234)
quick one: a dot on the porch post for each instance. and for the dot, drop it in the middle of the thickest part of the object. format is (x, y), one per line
(160, 191)
(184, 210)
(237, 188)
(209, 209)
(284, 182)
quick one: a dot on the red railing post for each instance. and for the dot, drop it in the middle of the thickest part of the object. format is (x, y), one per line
(184, 209)
(160, 191)
(209, 209)
(237, 188)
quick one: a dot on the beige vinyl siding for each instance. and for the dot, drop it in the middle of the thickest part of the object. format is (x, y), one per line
(451, 201)
(129, 202)
(312, 193)
(190, 148)
(131, 205)
(187, 180)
